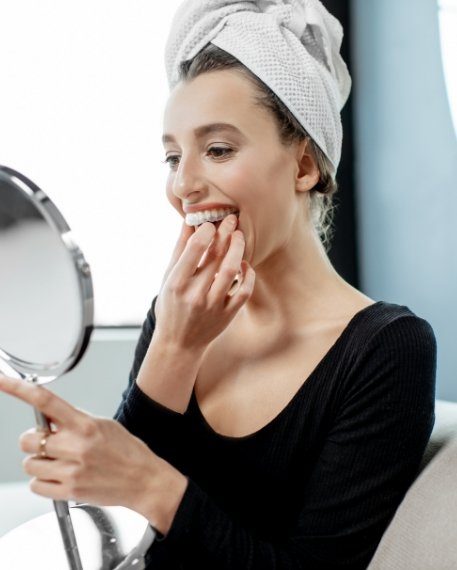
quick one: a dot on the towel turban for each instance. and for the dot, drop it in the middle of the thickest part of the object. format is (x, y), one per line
(293, 46)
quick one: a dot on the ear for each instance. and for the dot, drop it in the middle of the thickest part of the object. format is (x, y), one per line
(307, 170)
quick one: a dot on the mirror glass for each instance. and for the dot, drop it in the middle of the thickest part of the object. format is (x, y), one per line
(46, 301)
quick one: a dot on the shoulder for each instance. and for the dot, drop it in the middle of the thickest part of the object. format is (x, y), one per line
(391, 327)
(392, 356)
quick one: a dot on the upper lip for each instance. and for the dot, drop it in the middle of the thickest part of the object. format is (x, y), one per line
(210, 206)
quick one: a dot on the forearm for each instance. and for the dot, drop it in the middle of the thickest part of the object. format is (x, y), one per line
(158, 491)
(161, 512)
(167, 374)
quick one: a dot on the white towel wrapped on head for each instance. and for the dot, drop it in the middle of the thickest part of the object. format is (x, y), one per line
(293, 46)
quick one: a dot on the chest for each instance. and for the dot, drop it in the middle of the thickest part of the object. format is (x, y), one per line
(244, 383)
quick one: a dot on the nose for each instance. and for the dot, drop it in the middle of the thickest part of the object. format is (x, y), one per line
(189, 179)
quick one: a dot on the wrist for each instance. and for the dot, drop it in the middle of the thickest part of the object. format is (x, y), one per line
(163, 493)
(162, 344)
(168, 373)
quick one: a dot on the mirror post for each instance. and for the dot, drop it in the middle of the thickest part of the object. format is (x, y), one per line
(61, 507)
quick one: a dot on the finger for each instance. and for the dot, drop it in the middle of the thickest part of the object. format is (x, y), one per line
(186, 232)
(196, 246)
(59, 445)
(56, 491)
(30, 442)
(218, 248)
(54, 470)
(56, 409)
(241, 295)
(228, 269)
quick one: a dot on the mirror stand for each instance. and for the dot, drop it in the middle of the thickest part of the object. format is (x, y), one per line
(60, 507)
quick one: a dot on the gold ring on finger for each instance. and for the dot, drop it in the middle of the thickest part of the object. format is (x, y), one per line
(42, 449)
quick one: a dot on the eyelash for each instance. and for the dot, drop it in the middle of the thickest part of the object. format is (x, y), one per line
(225, 150)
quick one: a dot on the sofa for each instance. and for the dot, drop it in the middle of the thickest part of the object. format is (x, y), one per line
(422, 535)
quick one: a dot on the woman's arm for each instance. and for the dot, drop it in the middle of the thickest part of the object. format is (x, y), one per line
(149, 418)
(369, 459)
(167, 373)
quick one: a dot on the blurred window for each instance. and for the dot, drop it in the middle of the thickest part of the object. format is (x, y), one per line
(81, 105)
(447, 12)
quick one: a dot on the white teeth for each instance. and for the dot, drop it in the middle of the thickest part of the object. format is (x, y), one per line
(198, 218)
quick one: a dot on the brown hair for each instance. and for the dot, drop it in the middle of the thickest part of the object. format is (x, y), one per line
(212, 58)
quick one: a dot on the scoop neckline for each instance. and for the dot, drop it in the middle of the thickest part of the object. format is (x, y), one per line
(314, 373)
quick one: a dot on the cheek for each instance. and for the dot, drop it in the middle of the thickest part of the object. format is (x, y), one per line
(174, 200)
(242, 184)
(254, 175)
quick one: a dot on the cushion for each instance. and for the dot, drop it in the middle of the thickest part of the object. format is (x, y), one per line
(423, 533)
(444, 430)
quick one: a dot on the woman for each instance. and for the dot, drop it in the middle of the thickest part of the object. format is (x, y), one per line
(274, 421)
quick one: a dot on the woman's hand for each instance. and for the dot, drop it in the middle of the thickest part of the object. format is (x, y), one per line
(194, 305)
(95, 460)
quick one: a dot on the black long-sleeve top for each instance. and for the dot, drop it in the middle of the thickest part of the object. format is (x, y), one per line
(318, 485)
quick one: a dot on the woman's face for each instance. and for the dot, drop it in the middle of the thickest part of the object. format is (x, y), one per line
(242, 165)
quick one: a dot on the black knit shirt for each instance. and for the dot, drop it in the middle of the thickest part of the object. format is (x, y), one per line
(318, 485)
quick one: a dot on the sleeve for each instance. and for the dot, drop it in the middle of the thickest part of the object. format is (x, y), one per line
(161, 428)
(368, 459)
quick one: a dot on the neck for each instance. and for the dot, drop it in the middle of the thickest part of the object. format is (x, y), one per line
(297, 285)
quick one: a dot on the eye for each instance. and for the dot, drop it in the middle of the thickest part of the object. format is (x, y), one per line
(220, 152)
(170, 160)
(220, 149)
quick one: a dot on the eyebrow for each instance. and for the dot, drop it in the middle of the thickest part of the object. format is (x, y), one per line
(207, 129)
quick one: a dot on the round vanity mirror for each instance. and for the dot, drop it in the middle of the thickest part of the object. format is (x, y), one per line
(46, 320)
(46, 295)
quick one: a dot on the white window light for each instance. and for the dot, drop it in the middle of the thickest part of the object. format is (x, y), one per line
(447, 14)
(81, 108)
